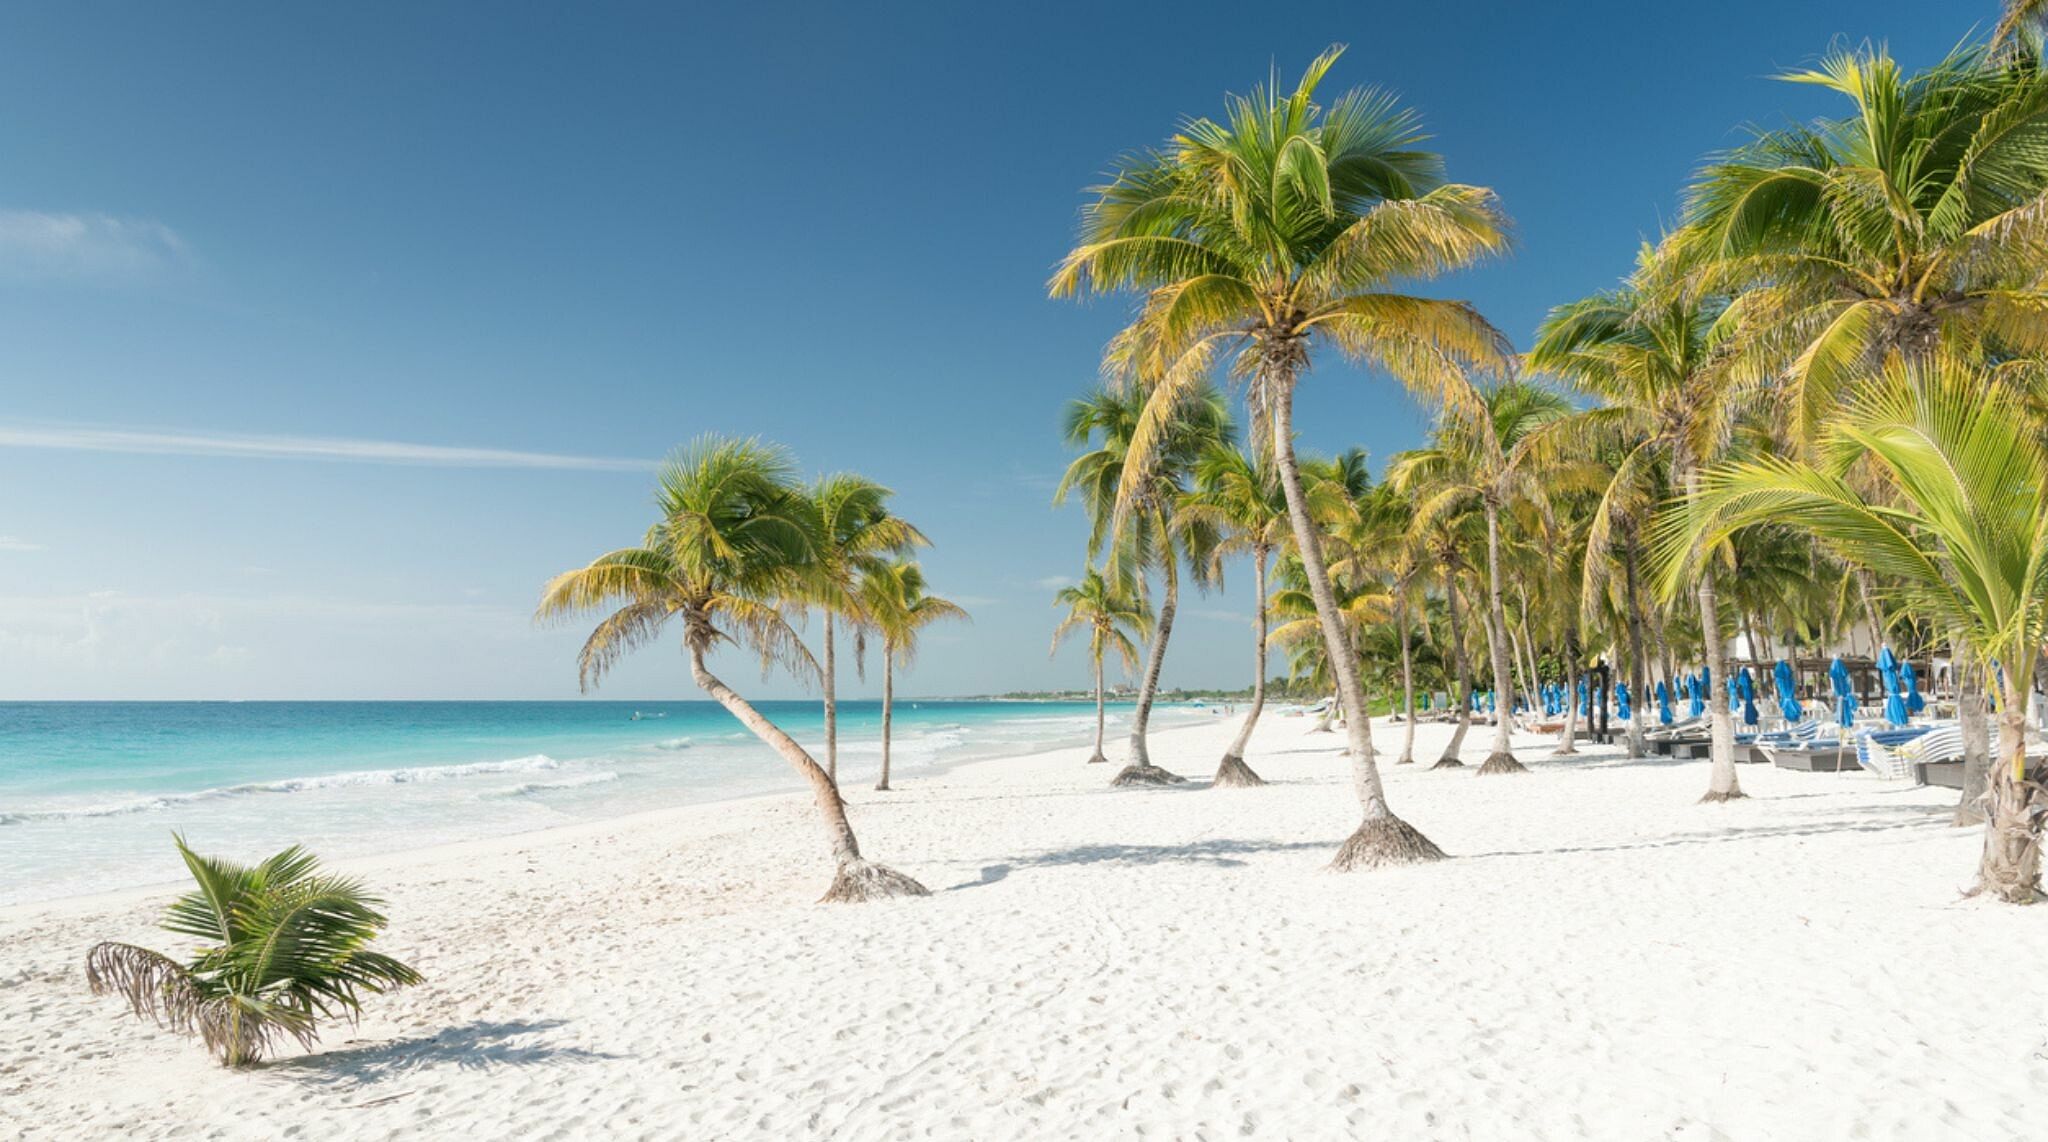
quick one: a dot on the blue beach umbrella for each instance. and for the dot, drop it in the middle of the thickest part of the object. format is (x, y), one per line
(1888, 677)
(1489, 701)
(1745, 689)
(1696, 694)
(1788, 696)
(1845, 694)
(1585, 708)
(1664, 716)
(1621, 709)
(1914, 702)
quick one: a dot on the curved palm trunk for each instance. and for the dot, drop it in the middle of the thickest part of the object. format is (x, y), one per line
(831, 704)
(2011, 865)
(1141, 771)
(1502, 759)
(1637, 664)
(1407, 678)
(1098, 759)
(1722, 784)
(1568, 740)
(888, 709)
(1233, 773)
(1381, 838)
(1449, 759)
(856, 879)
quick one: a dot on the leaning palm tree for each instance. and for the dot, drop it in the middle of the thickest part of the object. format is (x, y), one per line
(1114, 617)
(1139, 528)
(1647, 352)
(894, 595)
(1262, 238)
(1483, 454)
(734, 541)
(1238, 498)
(1915, 223)
(1961, 537)
(286, 947)
(856, 535)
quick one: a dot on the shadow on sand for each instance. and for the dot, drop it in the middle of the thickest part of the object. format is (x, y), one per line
(473, 1046)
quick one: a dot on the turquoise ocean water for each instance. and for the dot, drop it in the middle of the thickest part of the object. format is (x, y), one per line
(90, 792)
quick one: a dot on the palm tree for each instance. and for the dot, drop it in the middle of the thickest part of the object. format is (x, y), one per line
(1646, 351)
(1262, 238)
(1484, 454)
(1139, 528)
(856, 536)
(1238, 498)
(894, 595)
(1961, 536)
(1917, 221)
(2018, 27)
(1114, 618)
(286, 947)
(735, 540)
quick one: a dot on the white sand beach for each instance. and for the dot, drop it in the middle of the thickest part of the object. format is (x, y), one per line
(1603, 959)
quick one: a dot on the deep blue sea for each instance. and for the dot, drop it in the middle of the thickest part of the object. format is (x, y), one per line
(90, 792)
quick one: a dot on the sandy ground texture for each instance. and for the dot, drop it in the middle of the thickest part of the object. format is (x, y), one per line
(1602, 959)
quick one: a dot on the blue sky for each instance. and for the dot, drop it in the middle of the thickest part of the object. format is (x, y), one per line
(594, 232)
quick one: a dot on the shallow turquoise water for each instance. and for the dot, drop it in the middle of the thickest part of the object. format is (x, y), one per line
(90, 792)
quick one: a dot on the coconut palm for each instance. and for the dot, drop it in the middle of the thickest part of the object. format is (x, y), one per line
(2018, 27)
(1917, 221)
(734, 540)
(1960, 536)
(287, 946)
(1483, 454)
(1646, 352)
(1238, 498)
(1263, 238)
(856, 535)
(896, 600)
(1114, 617)
(1139, 528)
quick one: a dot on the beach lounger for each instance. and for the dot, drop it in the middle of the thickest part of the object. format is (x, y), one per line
(1880, 751)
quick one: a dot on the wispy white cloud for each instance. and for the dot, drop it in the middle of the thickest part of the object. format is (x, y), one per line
(1054, 582)
(13, 543)
(254, 447)
(86, 247)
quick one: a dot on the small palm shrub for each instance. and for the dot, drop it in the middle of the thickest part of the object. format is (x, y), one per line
(287, 946)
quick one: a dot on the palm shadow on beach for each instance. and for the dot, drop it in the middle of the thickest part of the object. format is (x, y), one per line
(474, 1046)
(1903, 818)
(1222, 852)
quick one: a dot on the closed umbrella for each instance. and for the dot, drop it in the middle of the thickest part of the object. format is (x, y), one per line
(1696, 694)
(1788, 696)
(1845, 694)
(1664, 715)
(1621, 708)
(1585, 710)
(1888, 677)
(1745, 689)
(1914, 702)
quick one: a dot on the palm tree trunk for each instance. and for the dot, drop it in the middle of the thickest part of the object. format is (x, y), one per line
(1502, 759)
(1381, 837)
(1233, 773)
(1638, 664)
(856, 879)
(1976, 725)
(1722, 784)
(1141, 771)
(831, 705)
(1449, 759)
(888, 709)
(1568, 740)
(1098, 758)
(1407, 675)
(2011, 866)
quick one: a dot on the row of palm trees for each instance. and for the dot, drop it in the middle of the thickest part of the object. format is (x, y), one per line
(738, 550)
(1835, 371)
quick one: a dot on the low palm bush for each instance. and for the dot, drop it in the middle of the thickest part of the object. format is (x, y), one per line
(286, 947)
